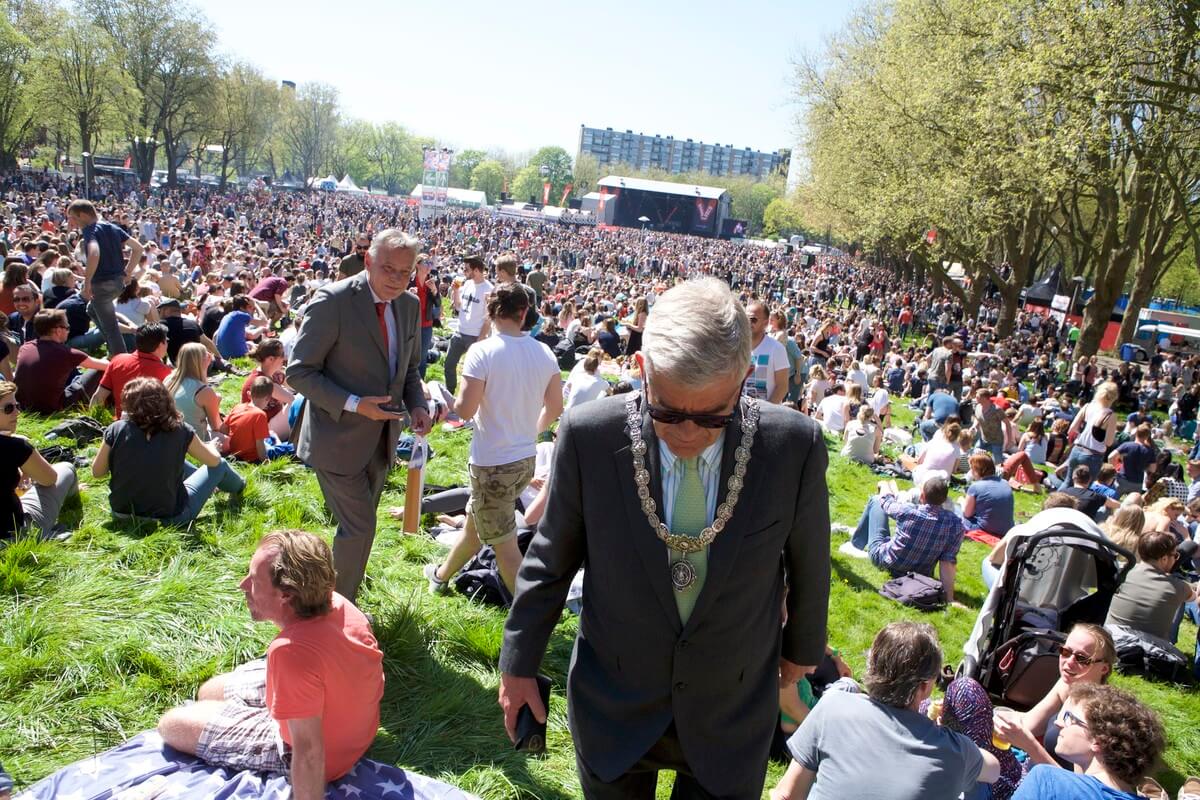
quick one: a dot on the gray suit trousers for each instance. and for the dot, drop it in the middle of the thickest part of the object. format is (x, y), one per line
(354, 501)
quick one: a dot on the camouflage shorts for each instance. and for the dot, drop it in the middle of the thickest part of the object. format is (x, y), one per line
(494, 493)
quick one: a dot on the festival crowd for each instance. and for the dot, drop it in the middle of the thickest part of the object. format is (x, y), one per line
(675, 346)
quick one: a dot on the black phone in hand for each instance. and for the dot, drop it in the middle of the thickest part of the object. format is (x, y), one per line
(531, 734)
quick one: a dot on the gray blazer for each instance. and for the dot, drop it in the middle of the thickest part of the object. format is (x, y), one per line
(635, 667)
(340, 352)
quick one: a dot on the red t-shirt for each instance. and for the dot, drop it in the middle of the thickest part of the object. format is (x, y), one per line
(44, 368)
(127, 366)
(247, 425)
(273, 405)
(329, 666)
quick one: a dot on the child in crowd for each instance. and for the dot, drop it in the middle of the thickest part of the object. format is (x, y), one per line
(247, 425)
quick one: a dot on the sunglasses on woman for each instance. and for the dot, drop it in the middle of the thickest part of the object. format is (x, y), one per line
(1080, 657)
(10, 407)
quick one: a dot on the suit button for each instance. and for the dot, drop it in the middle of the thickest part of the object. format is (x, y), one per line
(680, 686)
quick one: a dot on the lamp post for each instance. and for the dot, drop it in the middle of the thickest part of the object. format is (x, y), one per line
(1076, 285)
(87, 174)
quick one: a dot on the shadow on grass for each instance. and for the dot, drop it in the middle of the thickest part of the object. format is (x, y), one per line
(437, 720)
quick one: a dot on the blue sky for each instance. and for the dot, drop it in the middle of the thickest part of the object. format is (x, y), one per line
(519, 75)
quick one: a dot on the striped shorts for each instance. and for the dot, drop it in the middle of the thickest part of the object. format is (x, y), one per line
(244, 735)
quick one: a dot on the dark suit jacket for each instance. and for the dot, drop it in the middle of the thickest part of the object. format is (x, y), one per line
(635, 668)
(339, 352)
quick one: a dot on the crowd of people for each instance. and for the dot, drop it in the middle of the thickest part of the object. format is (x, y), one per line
(675, 347)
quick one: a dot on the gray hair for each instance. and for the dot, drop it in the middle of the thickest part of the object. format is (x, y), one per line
(60, 276)
(393, 239)
(903, 656)
(697, 332)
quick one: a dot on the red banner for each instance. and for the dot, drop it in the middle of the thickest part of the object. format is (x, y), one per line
(566, 191)
(546, 193)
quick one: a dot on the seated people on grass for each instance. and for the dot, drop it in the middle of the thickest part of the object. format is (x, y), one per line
(310, 709)
(238, 327)
(146, 361)
(939, 455)
(196, 401)
(146, 453)
(6, 784)
(863, 437)
(840, 748)
(831, 412)
(927, 534)
(1125, 527)
(1020, 468)
(1087, 657)
(247, 426)
(1089, 502)
(1109, 739)
(47, 376)
(1150, 597)
(988, 504)
(271, 361)
(33, 490)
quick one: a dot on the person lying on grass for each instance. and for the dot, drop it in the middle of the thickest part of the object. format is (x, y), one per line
(310, 709)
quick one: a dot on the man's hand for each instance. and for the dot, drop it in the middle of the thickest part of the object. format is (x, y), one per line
(790, 673)
(421, 423)
(514, 693)
(369, 407)
(86, 291)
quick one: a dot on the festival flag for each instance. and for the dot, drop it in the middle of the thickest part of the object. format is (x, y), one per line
(546, 193)
(566, 192)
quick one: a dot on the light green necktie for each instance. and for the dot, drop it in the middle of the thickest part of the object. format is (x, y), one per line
(689, 517)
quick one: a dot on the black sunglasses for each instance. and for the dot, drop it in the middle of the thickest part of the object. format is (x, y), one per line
(1081, 658)
(11, 407)
(671, 417)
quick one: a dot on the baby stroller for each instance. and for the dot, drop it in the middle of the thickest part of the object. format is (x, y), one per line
(1050, 580)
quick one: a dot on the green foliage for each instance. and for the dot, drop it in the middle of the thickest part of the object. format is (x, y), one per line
(463, 167)
(783, 217)
(488, 177)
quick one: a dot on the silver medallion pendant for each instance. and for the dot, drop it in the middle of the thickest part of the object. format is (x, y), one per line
(683, 574)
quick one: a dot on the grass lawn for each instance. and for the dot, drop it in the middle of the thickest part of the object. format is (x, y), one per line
(101, 634)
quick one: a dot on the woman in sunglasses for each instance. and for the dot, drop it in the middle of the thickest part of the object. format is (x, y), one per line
(1087, 657)
(32, 491)
(1111, 741)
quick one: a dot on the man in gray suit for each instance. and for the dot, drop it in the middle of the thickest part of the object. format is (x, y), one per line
(355, 361)
(702, 521)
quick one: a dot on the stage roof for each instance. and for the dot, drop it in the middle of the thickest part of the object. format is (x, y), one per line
(663, 187)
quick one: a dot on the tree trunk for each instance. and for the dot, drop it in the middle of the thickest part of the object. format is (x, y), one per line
(1010, 298)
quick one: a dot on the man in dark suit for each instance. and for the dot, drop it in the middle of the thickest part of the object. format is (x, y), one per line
(355, 361)
(705, 542)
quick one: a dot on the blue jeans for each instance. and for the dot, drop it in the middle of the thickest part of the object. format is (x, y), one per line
(103, 312)
(200, 483)
(426, 346)
(928, 428)
(873, 529)
(86, 341)
(1078, 456)
(995, 448)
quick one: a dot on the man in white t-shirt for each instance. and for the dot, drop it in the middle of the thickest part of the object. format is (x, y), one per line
(769, 359)
(831, 411)
(513, 390)
(471, 301)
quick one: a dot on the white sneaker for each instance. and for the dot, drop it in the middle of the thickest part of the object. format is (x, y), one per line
(839, 527)
(435, 586)
(848, 549)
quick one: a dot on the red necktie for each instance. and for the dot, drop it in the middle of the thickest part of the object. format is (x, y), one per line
(379, 309)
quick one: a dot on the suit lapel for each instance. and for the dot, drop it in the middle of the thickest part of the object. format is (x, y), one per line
(650, 548)
(722, 553)
(396, 387)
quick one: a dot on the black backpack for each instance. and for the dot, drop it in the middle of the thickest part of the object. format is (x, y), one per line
(916, 591)
(1142, 653)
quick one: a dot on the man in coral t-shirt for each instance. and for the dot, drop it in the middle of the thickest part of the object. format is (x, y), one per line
(311, 708)
(247, 425)
(146, 361)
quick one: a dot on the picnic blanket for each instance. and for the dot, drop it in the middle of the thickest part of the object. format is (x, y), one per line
(147, 769)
